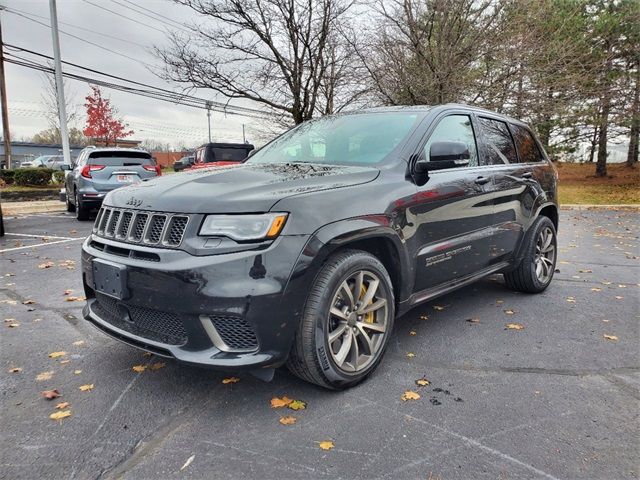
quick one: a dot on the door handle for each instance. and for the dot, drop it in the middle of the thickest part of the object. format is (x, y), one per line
(527, 175)
(482, 180)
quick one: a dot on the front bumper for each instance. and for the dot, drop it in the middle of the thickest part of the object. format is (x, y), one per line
(234, 311)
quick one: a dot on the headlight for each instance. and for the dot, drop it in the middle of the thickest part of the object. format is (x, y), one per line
(244, 227)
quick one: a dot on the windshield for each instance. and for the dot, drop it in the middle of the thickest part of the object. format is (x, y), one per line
(358, 139)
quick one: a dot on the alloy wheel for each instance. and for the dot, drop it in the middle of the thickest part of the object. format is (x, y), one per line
(545, 255)
(358, 321)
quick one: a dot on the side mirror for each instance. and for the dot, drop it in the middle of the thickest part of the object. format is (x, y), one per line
(65, 166)
(444, 155)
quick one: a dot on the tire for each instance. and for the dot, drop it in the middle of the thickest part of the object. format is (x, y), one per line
(70, 206)
(317, 360)
(82, 212)
(526, 277)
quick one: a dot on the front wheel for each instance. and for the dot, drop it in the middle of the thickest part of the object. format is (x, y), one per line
(535, 272)
(346, 323)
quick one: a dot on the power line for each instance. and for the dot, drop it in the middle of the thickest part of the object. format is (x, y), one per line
(123, 16)
(138, 9)
(84, 40)
(106, 35)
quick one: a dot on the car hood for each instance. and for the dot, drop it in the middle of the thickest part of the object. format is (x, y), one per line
(236, 189)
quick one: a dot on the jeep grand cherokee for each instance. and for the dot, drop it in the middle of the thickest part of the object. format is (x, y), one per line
(306, 254)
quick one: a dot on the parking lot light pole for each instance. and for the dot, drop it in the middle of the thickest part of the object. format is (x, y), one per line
(62, 110)
(209, 119)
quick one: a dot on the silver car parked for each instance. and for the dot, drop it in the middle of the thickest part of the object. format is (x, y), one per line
(97, 171)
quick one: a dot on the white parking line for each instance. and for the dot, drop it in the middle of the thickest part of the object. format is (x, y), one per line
(39, 245)
(40, 236)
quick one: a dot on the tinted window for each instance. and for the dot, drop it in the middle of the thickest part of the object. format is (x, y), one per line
(218, 154)
(357, 139)
(455, 128)
(527, 146)
(120, 161)
(499, 145)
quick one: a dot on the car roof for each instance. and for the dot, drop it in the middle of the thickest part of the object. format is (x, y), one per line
(227, 145)
(116, 149)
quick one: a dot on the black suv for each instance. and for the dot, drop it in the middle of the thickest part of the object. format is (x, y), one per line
(305, 254)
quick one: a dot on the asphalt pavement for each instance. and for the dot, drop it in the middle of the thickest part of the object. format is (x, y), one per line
(555, 399)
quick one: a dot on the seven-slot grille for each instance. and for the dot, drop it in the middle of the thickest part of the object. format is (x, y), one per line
(146, 228)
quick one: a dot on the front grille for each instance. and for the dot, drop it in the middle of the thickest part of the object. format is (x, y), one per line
(144, 322)
(147, 228)
(235, 332)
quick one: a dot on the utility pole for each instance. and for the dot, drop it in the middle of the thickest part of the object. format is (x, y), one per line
(208, 104)
(5, 109)
(244, 139)
(62, 109)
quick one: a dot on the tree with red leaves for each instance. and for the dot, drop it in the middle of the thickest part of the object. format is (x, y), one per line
(102, 124)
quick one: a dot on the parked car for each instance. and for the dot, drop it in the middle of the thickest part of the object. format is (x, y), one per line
(304, 255)
(55, 162)
(40, 162)
(221, 154)
(184, 162)
(97, 171)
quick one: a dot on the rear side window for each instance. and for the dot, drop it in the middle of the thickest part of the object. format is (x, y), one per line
(120, 159)
(527, 146)
(218, 154)
(498, 142)
(455, 128)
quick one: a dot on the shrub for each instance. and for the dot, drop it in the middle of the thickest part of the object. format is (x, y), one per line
(58, 177)
(7, 176)
(37, 177)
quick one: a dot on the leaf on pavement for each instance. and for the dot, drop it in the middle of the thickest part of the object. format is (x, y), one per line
(139, 368)
(423, 382)
(326, 445)
(438, 307)
(610, 337)
(509, 311)
(571, 300)
(619, 297)
(473, 320)
(411, 355)
(44, 376)
(78, 343)
(57, 354)
(410, 395)
(62, 405)
(13, 325)
(288, 420)
(50, 394)
(60, 415)
(86, 388)
(424, 317)
(46, 265)
(68, 292)
(585, 270)
(75, 299)
(596, 289)
(188, 462)
(514, 326)
(280, 402)
(413, 333)
(226, 381)
(28, 302)
(606, 283)
(297, 405)
(157, 365)
(15, 370)
(77, 372)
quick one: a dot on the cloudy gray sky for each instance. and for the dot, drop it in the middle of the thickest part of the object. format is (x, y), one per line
(114, 25)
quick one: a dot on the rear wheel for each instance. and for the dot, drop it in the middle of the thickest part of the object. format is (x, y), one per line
(535, 272)
(82, 212)
(347, 322)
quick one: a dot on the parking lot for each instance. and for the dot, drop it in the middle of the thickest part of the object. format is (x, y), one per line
(555, 399)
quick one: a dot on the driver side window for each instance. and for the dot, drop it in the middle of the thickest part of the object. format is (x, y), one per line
(455, 128)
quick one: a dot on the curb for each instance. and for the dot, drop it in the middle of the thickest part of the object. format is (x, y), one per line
(628, 206)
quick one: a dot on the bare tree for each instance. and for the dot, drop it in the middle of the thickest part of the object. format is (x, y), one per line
(284, 54)
(49, 98)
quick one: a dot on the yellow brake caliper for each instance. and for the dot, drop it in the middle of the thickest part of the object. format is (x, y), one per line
(368, 317)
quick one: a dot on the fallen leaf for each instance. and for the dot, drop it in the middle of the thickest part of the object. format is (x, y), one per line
(50, 394)
(596, 289)
(28, 302)
(499, 302)
(77, 372)
(622, 286)
(86, 388)
(509, 311)
(15, 370)
(297, 405)
(75, 299)
(68, 292)
(226, 381)
(586, 270)
(280, 402)
(606, 283)
(473, 320)
(571, 300)
(564, 262)
(188, 462)
(62, 405)
(288, 420)
(44, 376)
(326, 445)
(46, 265)
(78, 343)
(57, 354)
(413, 333)
(60, 415)
(514, 326)
(423, 382)
(13, 324)
(411, 355)
(618, 297)
(424, 317)
(611, 337)
(438, 307)
(410, 395)
(64, 362)
(157, 365)
(139, 368)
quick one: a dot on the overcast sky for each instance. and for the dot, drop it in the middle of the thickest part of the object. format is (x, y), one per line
(135, 35)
